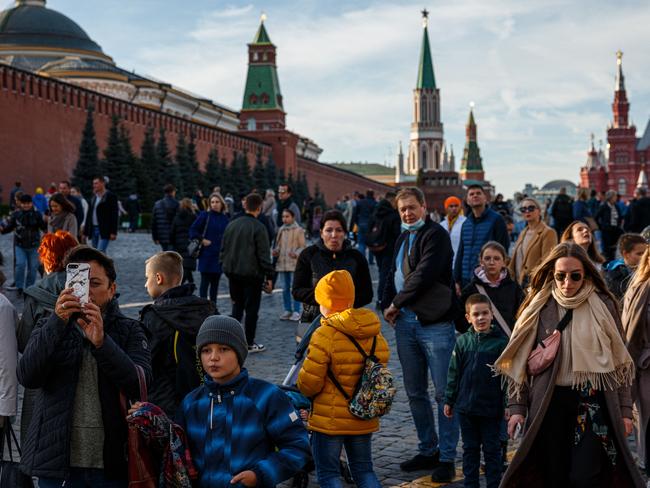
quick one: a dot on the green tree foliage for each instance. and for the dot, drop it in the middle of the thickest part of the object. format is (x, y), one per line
(182, 164)
(169, 170)
(259, 173)
(88, 165)
(224, 182)
(271, 172)
(196, 181)
(117, 165)
(142, 180)
(213, 172)
(246, 175)
(319, 198)
(300, 189)
(151, 169)
(233, 182)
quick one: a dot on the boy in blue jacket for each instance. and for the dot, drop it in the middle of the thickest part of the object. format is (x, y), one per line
(241, 431)
(475, 394)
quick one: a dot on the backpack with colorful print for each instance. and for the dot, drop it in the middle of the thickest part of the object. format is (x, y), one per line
(374, 393)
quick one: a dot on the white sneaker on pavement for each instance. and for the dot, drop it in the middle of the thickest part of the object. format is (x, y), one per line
(286, 315)
(295, 316)
(256, 348)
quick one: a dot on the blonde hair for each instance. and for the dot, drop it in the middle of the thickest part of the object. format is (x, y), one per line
(220, 198)
(167, 263)
(642, 273)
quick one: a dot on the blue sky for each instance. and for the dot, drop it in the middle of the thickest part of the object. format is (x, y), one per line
(540, 72)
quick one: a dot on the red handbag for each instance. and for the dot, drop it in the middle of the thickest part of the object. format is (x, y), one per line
(141, 468)
(543, 355)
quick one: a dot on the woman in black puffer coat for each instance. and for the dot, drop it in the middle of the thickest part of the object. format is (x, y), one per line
(492, 274)
(180, 237)
(332, 252)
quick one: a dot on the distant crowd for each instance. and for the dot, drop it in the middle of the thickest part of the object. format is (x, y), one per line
(531, 321)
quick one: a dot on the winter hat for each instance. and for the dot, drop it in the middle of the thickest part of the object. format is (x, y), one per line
(221, 329)
(335, 291)
(451, 201)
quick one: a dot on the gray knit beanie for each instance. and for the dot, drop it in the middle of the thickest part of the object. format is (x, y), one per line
(221, 329)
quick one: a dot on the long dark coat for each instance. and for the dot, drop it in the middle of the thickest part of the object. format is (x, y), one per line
(526, 469)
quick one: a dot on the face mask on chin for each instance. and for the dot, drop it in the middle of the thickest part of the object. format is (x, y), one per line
(413, 227)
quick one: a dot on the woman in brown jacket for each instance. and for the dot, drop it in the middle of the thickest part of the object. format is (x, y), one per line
(534, 243)
(636, 322)
(578, 411)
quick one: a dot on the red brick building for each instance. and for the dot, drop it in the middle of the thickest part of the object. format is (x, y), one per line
(51, 71)
(624, 166)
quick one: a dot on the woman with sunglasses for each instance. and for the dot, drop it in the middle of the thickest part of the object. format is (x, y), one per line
(636, 322)
(578, 410)
(534, 243)
(580, 233)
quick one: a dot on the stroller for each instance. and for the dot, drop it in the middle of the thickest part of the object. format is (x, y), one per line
(302, 404)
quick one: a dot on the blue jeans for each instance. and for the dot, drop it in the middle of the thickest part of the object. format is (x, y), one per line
(98, 242)
(26, 259)
(287, 276)
(481, 432)
(424, 349)
(326, 450)
(82, 478)
(362, 230)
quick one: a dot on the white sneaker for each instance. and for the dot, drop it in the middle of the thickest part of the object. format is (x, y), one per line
(295, 316)
(256, 348)
(286, 316)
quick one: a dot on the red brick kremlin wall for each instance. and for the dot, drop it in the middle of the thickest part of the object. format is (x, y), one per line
(41, 121)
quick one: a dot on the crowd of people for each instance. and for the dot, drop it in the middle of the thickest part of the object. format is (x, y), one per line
(529, 323)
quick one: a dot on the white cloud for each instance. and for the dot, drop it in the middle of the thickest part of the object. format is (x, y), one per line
(541, 72)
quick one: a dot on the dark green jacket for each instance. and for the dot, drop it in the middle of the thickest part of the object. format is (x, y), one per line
(472, 387)
(245, 249)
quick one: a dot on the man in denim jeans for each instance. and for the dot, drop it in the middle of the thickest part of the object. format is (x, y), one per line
(27, 224)
(423, 259)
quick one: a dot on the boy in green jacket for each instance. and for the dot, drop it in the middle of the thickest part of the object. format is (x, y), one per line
(475, 394)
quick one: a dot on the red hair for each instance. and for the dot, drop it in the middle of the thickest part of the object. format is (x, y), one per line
(53, 249)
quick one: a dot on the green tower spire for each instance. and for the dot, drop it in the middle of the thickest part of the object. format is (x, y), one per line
(262, 90)
(426, 78)
(472, 161)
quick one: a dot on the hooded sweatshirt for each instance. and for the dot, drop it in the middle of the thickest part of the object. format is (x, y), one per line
(173, 321)
(330, 349)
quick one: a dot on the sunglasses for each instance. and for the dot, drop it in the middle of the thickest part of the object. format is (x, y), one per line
(530, 208)
(561, 276)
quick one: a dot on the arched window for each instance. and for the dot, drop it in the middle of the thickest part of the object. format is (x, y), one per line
(265, 98)
(423, 161)
(425, 111)
(252, 124)
(622, 186)
(253, 99)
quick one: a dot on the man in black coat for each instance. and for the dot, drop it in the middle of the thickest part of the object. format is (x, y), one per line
(80, 359)
(638, 212)
(246, 260)
(162, 217)
(384, 229)
(562, 212)
(422, 264)
(173, 321)
(609, 221)
(103, 216)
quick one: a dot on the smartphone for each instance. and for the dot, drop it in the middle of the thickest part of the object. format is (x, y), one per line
(77, 277)
(517, 432)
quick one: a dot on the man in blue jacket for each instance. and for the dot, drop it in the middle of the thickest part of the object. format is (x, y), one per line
(162, 217)
(482, 225)
(80, 359)
(424, 329)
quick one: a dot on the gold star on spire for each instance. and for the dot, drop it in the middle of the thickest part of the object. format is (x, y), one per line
(619, 57)
(263, 17)
(425, 17)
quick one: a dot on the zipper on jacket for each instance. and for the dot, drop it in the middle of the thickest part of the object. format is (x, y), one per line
(211, 409)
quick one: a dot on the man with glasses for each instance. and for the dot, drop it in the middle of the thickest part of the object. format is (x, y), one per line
(482, 225)
(285, 194)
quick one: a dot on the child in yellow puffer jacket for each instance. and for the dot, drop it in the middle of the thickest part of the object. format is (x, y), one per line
(332, 352)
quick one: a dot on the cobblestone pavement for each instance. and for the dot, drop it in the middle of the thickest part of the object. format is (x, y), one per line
(394, 443)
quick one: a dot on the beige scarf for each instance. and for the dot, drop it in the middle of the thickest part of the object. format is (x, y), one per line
(598, 354)
(635, 316)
